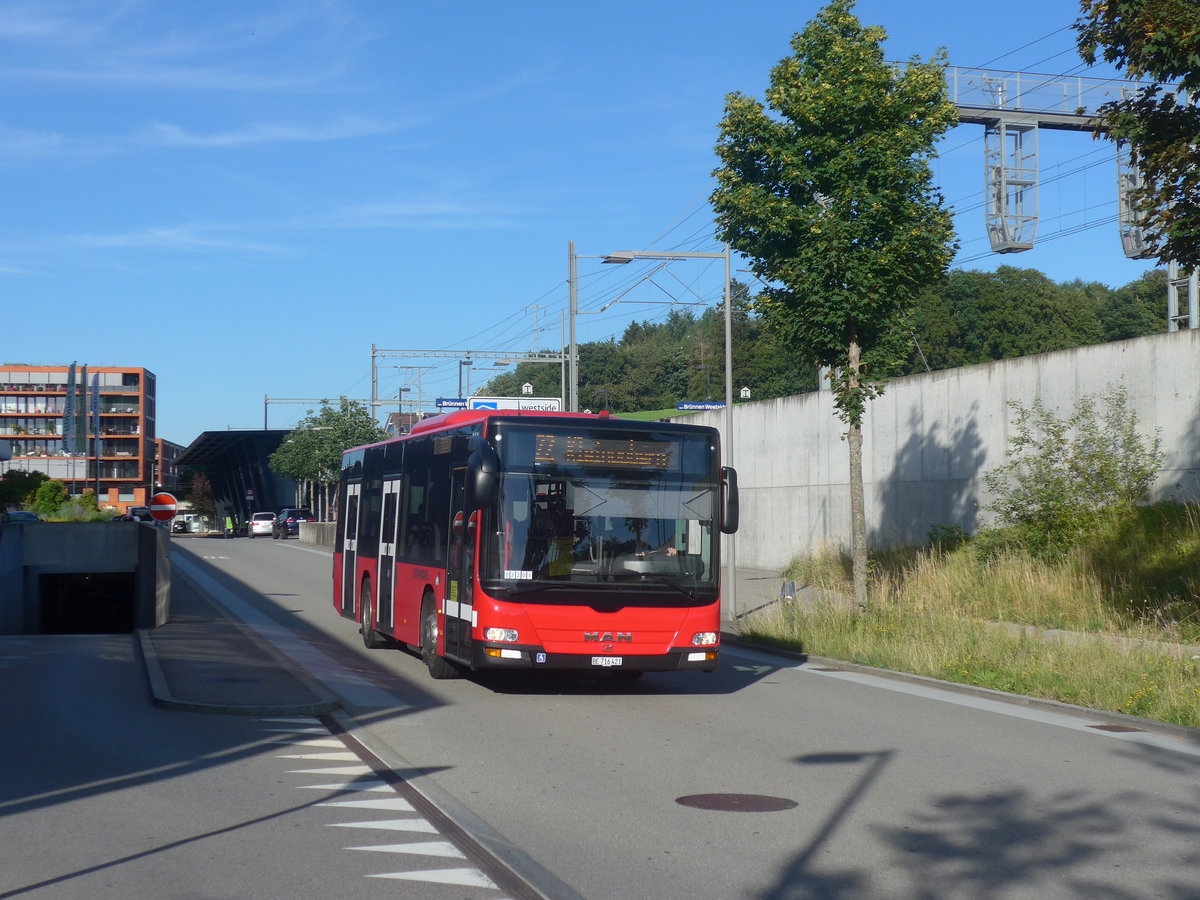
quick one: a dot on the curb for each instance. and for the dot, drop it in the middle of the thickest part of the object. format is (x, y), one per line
(161, 696)
(1055, 706)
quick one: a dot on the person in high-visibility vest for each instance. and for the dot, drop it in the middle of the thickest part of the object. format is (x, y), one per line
(228, 526)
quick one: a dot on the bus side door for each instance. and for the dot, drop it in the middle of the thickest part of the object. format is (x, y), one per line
(350, 550)
(385, 601)
(460, 559)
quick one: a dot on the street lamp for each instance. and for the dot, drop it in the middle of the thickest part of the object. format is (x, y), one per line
(623, 257)
(708, 379)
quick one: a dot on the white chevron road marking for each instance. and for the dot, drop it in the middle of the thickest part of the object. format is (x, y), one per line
(422, 848)
(389, 825)
(396, 804)
(331, 756)
(463, 877)
(348, 771)
(378, 787)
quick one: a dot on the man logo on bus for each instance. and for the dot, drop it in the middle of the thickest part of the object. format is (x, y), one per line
(621, 637)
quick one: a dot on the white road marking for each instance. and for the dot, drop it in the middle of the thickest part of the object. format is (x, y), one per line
(348, 771)
(389, 825)
(423, 848)
(463, 877)
(332, 757)
(444, 849)
(396, 804)
(377, 787)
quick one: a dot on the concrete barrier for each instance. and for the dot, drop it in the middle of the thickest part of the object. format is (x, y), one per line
(321, 534)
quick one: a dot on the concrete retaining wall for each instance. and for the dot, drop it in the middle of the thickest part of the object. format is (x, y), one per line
(929, 439)
(29, 551)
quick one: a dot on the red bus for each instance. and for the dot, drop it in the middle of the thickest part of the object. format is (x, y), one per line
(503, 539)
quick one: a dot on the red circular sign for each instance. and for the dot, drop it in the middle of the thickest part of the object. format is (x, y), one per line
(163, 507)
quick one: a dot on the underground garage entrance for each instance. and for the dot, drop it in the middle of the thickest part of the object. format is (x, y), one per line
(83, 577)
(87, 602)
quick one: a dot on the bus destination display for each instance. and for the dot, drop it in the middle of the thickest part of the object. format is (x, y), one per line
(594, 452)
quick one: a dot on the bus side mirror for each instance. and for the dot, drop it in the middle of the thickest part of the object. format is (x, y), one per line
(729, 500)
(482, 478)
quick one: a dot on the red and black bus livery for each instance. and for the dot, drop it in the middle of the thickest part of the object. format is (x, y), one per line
(498, 539)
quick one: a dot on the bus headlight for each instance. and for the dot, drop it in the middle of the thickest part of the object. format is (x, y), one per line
(506, 635)
(704, 638)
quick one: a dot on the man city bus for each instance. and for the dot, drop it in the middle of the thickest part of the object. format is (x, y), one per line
(504, 539)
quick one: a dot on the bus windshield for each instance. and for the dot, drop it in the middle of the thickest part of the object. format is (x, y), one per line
(596, 507)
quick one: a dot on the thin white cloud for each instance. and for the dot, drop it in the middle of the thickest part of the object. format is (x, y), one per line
(167, 135)
(406, 214)
(33, 144)
(190, 238)
(134, 45)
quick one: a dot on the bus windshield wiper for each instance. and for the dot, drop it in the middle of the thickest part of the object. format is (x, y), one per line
(691, 595)
(533, 587)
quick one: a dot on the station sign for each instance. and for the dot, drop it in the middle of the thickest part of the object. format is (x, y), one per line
(451, 403)
(693, 407)
(532, 404)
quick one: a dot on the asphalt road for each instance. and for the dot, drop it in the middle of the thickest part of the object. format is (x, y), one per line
(828, 784)
(102, 795)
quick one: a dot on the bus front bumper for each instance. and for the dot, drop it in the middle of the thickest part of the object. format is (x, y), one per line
(500, 656)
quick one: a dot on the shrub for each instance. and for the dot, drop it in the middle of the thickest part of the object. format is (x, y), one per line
(1062, 472)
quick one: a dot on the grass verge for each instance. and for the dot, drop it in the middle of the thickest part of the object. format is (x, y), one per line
(1105, 625)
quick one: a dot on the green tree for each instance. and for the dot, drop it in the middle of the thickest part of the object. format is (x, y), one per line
(975, 317)
(830, 197)
(312, 451)
(47, 499)
(15, 486)
(1157, 40)
(1137, 309)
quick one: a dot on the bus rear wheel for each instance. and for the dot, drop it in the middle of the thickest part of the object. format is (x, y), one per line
(439, 667)
(372, 639)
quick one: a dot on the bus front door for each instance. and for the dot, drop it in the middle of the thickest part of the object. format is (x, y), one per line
(460, 581)
(350, 550)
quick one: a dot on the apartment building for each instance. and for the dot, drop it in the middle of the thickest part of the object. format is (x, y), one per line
(91, 427)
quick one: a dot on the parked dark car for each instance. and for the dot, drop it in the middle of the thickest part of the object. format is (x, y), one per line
(179, 526)
(19, 515)
(288, 521)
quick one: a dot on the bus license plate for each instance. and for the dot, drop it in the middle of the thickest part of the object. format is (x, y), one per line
(606, 660)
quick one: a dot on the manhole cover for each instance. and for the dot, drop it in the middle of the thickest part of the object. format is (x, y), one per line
(737, 802)
(1119, 729)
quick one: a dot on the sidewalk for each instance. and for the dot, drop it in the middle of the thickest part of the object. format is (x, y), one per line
(204, 661)
(754, 589)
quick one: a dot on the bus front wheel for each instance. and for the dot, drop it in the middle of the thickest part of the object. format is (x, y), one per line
(439, 667)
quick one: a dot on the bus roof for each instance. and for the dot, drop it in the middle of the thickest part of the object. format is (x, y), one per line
(468, 416)
(460, 417)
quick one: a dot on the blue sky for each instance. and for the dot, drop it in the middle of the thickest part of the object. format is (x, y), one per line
(245, 197)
